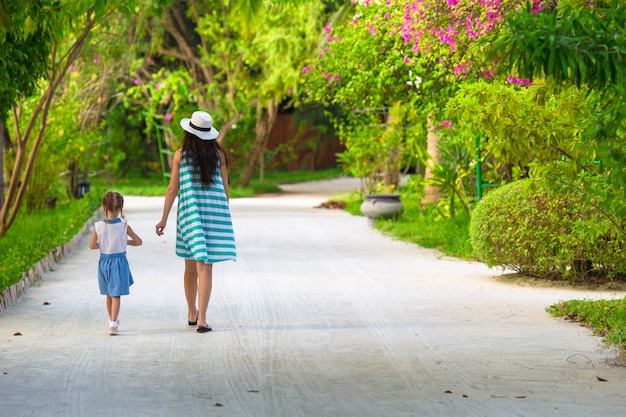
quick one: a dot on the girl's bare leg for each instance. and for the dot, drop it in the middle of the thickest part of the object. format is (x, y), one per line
(191, 289)
(115, 308)
(205, 285)
(109, 301)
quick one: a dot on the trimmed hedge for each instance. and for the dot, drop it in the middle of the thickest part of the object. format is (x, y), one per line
(530, 229)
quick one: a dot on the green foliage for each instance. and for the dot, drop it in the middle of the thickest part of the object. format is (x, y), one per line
(454, 175)
(33, 236)
(607, 318)
(359, 65)
(528, 227)
(581, 44)
(538, 128)
(379, 145)
(45, 188)
(24, 49)
(585, 44)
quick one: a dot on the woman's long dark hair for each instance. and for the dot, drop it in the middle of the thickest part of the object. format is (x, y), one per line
(204, 155)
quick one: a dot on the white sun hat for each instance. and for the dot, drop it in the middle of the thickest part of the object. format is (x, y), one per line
(201, 125)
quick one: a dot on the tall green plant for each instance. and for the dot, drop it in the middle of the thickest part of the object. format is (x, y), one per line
(69, 26)
(454, 174)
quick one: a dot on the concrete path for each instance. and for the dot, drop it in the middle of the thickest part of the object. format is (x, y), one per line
(320, 316)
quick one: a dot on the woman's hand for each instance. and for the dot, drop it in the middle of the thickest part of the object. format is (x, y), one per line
(160, 226)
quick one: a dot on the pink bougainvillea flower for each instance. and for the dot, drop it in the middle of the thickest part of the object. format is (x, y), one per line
(519, 81)
(327, 28)
(73, 68)
(137, 81)
(537, 6)
(168, 116)
(96, 59)
(305, 70)
(445, 123)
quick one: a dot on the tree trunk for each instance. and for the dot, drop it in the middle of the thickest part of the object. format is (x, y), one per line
(432, 194)
(264, 122)
(2, 163)
(391, 173)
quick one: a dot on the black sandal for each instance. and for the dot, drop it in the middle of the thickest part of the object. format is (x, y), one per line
(202, 329)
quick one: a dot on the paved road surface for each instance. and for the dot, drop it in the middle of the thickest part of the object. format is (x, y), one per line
(320, 316)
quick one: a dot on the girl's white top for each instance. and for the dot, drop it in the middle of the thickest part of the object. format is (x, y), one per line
(112, 237)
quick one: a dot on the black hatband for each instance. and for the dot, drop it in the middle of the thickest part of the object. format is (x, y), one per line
(201, 129)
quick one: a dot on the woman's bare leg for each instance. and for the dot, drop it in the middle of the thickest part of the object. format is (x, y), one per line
(205, 285)
(191, 289)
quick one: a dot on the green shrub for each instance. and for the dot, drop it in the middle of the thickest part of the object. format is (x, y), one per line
(34, 235)
(526, 227)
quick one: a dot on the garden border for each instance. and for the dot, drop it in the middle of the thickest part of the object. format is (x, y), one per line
(12, 294)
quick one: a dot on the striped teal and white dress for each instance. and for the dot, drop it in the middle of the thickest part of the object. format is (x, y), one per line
(204, 228)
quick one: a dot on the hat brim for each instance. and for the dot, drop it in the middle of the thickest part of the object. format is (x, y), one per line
(210, 135)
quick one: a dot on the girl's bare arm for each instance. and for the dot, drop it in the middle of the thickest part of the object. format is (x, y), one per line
(93, 240)
(134, 240)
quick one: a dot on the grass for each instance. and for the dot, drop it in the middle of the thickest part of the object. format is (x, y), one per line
(607, 318)
(426, 228)
(422, 226)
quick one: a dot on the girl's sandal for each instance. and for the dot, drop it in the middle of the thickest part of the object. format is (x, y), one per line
(113, 328)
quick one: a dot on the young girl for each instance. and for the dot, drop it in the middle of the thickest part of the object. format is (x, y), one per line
(111, 236)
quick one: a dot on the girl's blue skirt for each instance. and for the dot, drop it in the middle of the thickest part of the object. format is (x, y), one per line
(114, 277)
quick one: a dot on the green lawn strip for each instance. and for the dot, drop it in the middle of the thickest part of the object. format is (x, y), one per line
(606, 318)
(34, 236)
(422, 226)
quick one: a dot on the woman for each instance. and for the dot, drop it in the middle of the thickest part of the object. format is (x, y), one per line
(204, 230)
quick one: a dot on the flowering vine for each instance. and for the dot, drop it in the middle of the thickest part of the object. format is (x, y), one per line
(365, 61)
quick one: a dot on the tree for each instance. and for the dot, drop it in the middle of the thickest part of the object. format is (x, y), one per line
(5, 18)
(239, 70)
(69, 26)
(415, 52)
(24, 42)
